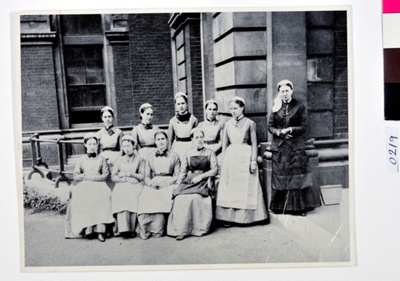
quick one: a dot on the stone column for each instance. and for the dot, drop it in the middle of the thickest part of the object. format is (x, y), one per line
(287, 59)
(186, 56)
(288, 54)
(240, 58)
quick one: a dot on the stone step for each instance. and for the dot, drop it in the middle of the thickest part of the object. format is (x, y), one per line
(326, 229)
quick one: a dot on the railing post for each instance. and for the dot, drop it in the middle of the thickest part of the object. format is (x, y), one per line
(35, 161)
(39, 155)
(60, 156)
(33, 149)
(61, 176)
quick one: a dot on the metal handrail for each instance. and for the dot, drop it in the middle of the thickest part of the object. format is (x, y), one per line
(68, 136)
(37, 162)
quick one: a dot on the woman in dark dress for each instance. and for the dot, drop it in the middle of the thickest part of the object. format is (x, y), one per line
(291, 179)
(191, 213)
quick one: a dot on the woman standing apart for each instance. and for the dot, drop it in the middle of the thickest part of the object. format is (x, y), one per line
(128, 174)
(212, 129)
(192, 210)
(109, 136)
(155, 203)
(291, 180)
(180, 126)
(143, 134)
(89, 209)
(240, 198)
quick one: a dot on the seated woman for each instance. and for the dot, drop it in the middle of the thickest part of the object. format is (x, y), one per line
(155, 203)
(192, 210)
(109, 136)
(128, 174)
(143, 133)
(89, 210)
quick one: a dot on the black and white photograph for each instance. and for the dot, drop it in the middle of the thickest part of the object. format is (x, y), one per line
(187, 139)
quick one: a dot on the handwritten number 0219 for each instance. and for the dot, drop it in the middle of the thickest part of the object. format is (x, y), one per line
(392, 151)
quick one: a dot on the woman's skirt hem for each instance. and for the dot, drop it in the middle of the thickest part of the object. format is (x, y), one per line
(151, 225)
(191, 215)
(302, 200)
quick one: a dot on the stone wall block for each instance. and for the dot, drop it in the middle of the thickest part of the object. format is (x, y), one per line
(289, 38)
(262, 128)
(320, 124)
(241, 73)
(225, 22)
(180, 40)
(252, 43)
(255, 99)
(222, 24)
(320, 96)
(249, 19)
(320, 18)
(288, 67)
(224, 49)
(320, 41)
(182, 86)
(330, 173)
(180, 55)
(181, 71)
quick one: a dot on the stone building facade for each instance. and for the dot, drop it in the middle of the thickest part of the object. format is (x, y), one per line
(73, 65)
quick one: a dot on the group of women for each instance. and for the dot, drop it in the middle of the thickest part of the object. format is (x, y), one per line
(152, 182)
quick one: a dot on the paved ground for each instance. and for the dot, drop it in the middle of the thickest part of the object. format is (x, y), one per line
(45, 246)
(322, 236)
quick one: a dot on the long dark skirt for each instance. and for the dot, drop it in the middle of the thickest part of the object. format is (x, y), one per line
(291, 182)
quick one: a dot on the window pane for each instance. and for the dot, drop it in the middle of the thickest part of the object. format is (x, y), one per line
(81, 117)
(84, 70)
(320, 69)
(81, 24)
(94, 64)
(84, 64)
(75, 65)
(86, 96)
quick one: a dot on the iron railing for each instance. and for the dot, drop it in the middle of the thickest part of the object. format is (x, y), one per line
(58, 138)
